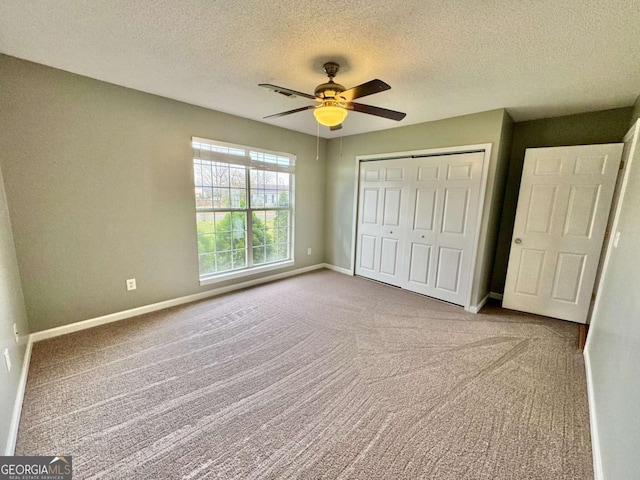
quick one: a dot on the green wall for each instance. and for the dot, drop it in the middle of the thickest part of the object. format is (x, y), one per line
(99, 186)
(607, 126)
(487, 127)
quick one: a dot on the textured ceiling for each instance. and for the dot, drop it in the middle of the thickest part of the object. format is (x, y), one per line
(538, 58)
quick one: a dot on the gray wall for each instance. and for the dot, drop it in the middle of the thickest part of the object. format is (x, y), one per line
(487, 127)
(613, 346)
(607, 126)
(99, 186)
(11, 311)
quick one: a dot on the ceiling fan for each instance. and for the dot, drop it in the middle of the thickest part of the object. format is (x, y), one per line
(335, 100)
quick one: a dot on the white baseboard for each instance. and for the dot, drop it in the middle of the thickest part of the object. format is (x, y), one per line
(595, 439)
(346, 271)
(134, 312)
(477, 308)
(495, 296)
(17, 406)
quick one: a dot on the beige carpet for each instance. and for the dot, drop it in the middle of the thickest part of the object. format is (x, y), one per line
(321, 376)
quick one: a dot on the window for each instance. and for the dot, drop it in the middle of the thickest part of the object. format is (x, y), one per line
(244, 208)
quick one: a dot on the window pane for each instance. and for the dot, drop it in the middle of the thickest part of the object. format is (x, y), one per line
(203, 197)
(258, 236)
(206, 243)
(206, 174)
(270, 179)
(197, 174)
(238, 198)
(239, 259)
(282, 235)
(221, 198)
(283, 251)
(257, 198)
(220, 174)
(238, 239)
(283, 180)
(207, 264)
(222, 221)
(238, 178)
(223, 261)
(271, 253)
(282, 218)
(223, 242)
(270, 235)
(258, 255)
(205, 222)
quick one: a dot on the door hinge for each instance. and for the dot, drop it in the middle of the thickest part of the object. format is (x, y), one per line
(593, 297)
(622, 165)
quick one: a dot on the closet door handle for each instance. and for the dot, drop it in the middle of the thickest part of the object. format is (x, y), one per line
(518, 241)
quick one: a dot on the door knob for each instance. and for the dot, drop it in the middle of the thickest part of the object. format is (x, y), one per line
(518, 241)
(421, 236)
(390, 231)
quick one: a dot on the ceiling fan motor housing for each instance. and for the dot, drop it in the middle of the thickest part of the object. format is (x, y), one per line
(331, 89)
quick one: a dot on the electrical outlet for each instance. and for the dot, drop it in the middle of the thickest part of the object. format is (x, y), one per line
(16, 333)
(131, 284)
(309, 251)
(7, 359)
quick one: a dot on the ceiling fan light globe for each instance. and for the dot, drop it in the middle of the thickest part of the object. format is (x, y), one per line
(329, 115)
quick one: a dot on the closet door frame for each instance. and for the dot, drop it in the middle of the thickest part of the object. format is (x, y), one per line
(483, 147)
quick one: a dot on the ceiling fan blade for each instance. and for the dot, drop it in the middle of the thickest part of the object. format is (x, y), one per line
(282, 114)
(335, 127)
(369, 88)
(287, 92)
(377, 111)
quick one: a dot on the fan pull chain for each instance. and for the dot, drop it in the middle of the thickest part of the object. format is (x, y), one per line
(340, 145)
(318, 142)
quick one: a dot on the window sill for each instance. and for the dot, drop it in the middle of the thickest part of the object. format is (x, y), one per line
(245, 273)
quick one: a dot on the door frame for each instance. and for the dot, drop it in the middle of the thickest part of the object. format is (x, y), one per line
(430, 152)
(632, 136)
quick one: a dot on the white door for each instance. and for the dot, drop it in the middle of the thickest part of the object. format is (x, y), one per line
(563, 207)
(381, 220)
(443, 198)
(417, 223)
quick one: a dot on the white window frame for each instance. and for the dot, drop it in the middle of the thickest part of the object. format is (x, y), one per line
(249, 161)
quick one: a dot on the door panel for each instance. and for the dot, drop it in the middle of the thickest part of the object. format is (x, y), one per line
(563, 207)
(568, 277)
(541, 206)
(456, 205)
(389, 256)
(370, 205)
(367, 252)
(530, 271)
(425, 209)
(448, 274)
(581, 211)
(392, 205)
(420, 260)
